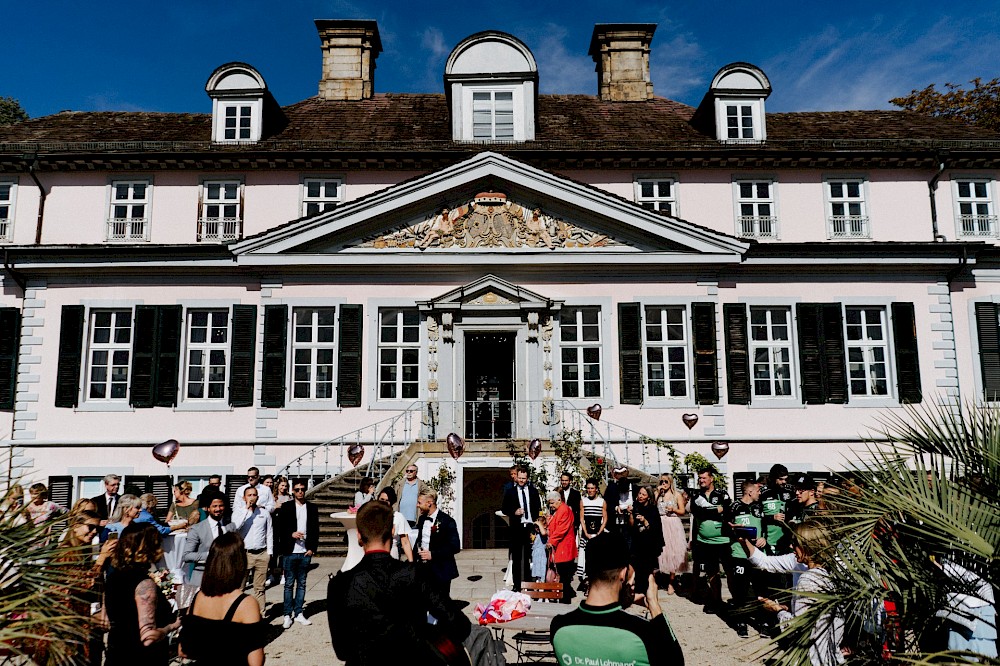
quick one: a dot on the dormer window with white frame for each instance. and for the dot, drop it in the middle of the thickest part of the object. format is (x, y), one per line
(238, 92)
(492, 84)
(657, 194)
(974, 207)
(735, 100)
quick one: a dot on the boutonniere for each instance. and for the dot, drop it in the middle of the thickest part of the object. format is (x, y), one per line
(434, 528)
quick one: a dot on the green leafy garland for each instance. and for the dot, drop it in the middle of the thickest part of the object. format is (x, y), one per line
(568, 447)
(443, 482)
(696, 461)
(675, 459)
(537, 475)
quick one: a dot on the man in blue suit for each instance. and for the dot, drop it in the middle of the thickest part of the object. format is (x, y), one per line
(437, 541)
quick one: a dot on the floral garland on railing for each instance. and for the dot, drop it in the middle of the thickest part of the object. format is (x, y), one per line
(444, 483)
(568, 447)
(695, 461)
(537, 475)
(675, 459)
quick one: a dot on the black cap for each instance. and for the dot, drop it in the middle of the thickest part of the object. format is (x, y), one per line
(804, 482)
(777, 471)
(607, 551)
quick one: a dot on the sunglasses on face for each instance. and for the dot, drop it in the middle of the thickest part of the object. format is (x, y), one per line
(411, 471)
(253, 476)
(298, 490)
(92, 527)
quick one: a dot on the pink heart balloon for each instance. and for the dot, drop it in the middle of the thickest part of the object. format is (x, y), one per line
(355, 453)
(690, 420)
(720, 449)
(534, 448)
(594, 411)
(166, 451)
(456, 445)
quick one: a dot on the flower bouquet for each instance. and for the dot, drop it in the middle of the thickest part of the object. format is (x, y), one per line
(164, 582)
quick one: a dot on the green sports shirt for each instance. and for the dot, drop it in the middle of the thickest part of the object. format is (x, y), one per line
(608, 636)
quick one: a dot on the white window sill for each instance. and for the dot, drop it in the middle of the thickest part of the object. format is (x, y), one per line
(311, 406)
(105, 407)
(393, 405)
(862, 402)
(776, 403)
(664, 403)
(203, 407)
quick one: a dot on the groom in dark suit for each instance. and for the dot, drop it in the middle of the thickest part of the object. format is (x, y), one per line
(437, 541)
(522, 505)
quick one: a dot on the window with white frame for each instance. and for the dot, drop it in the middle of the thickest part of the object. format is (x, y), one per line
(320, 194)
(666, 352)
(110, 348)
(399, 354)
(848, 216)
(493, 115)
(237, 121)
(771, 351)
(8, 190)
(867, 351)
(313, 353)
(975, 207)
(656, 194)
(221, 211)
(740, 121)
(580, 352)
(755, 209)
(128, 213)
(207, 350)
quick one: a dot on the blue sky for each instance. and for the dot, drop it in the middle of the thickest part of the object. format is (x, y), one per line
(116, 55)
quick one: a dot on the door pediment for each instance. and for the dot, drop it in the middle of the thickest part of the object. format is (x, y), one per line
(490, 293)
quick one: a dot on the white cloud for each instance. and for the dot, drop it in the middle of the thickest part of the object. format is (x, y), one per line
(432, 40)
(109, 101)
(678, 67)
(561, 71)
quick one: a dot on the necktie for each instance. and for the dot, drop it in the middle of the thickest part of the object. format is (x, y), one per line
(524, 501)
(219, 525)
(111, 505)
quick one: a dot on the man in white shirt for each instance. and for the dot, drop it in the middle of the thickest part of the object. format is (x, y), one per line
(298, 539)
(254, 525)
(107, 501)
(265, 499)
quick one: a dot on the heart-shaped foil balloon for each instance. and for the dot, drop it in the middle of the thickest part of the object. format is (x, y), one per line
(534, 448)
(594, 412)
(720, 449)
(355, 452)
(690, 420)
(456, 445)
(166, 451)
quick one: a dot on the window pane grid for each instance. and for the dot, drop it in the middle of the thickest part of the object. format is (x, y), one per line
(771, 352)
(975, 208)
(666, 352)
(867, 351)
(399, 354)
(207, 349)
(580, 352)
(493, 115)
(110, 351)
(656, 195)
(755, 206)
(313, 353)
(739, 121)
(237, 121)
(319, 195)
(848, 214)
(6, 211)
(129, 209)
(221, 211)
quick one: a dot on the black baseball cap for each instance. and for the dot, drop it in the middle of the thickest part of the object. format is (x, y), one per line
(607, 551)
(804, 482)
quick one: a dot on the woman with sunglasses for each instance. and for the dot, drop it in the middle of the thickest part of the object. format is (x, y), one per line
(671, 506)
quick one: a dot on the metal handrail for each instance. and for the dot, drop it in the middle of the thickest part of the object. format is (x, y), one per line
(492, 420)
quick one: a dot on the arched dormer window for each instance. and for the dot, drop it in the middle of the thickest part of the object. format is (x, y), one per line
(237, 91)
(491, 80)
(739, 90)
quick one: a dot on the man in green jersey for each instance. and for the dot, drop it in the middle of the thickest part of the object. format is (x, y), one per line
(744, 513)
(710, 546)
(600, 631)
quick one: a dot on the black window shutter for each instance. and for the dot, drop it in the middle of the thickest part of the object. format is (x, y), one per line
(162, 487)
(349, 357)
(834, 354)
(70, 356)
(904, 333)
(737, 353)
(630, 352)
(61, 490)
(810, 329)
(706, 371)
(142, 378)
(10, 342)
(241, 364)
(168, 353)
(988, 327)
(272, 390)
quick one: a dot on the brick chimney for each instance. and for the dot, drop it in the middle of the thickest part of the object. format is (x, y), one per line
(621, 53)
(349, 51)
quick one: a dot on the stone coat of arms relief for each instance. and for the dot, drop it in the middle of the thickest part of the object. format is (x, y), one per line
(490, 220)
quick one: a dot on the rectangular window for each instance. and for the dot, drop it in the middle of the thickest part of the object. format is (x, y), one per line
(656, 194)
(666, 352)
(848, 217)
(975, 208)
(110, 349)
(755, 209)
(237, 119)
(867, 351)
(7, 193)
(739, 121)
(221, 211)
(580, 352)
(319, 194)
(207, 352)
(399, 354)
(493, 115)
(313, 353)
(771, 352)
(128, 215)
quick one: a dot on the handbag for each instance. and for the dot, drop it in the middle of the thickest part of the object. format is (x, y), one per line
(551, 573)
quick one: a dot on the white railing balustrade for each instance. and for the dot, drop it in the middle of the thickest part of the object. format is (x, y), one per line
(849, 226)
(5, 229)
(219, 228)
(979, 225)
(758, 226)
(125, 229)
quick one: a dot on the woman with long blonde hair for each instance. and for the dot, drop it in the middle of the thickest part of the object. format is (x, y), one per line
(671, 506)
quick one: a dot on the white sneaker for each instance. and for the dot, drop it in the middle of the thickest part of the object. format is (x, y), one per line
(287, 624)
(301, 619)
(282, 583)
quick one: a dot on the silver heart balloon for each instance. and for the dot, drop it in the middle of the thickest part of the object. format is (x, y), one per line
(166, 451)
(534, 448)
(456, 445)
(355, 452)
(690, 420)
(720, 449)
(594, 412)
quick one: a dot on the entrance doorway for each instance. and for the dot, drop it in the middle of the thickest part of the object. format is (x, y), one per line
(489, 385)
(482, 494)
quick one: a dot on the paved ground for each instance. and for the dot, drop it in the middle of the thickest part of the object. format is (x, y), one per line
(706, 639)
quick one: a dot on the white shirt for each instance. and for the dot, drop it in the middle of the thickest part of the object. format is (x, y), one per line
(425, 533)
(265, 498)
(255, 528)
(525, 502)
(300, 526)
(400, 527)
(111, 501)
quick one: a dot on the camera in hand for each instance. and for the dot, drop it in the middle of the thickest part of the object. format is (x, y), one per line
(748, 532)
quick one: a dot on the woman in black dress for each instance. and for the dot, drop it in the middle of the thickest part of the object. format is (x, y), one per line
(647, 537)
(223, 626)
(140, 616)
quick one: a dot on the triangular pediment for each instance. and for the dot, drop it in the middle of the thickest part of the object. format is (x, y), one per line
(488, 204)
(491, 292)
